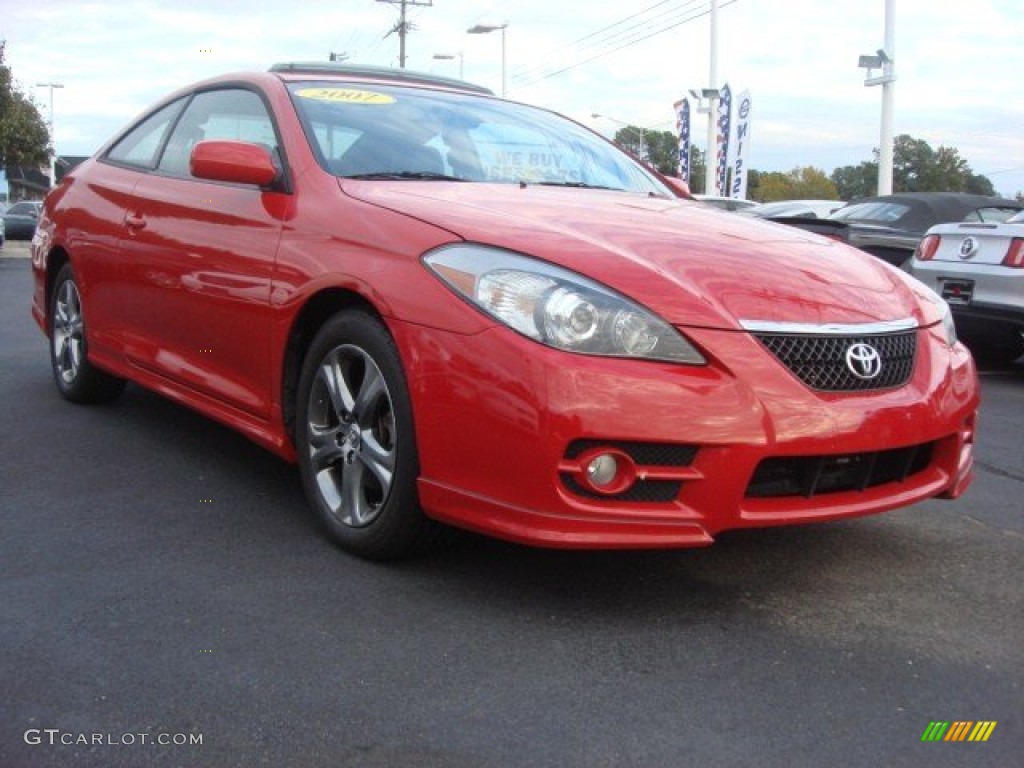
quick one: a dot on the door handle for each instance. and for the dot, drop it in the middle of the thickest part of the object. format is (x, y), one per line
(134, 221)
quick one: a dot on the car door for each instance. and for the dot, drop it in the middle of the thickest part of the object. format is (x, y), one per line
(197, 261)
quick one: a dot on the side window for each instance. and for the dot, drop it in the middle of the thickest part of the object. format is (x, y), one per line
(234, 114)
(140, 145)
(22, 209)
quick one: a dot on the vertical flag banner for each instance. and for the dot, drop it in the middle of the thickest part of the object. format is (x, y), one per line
(683, 129)
(724, 132)
(739, 167)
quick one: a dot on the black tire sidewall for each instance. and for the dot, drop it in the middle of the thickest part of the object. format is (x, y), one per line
(90, 384)
(400, 522)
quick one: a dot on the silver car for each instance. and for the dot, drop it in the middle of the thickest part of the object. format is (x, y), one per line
(978, 268)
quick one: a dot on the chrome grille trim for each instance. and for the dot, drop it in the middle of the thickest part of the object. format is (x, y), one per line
(829, 329)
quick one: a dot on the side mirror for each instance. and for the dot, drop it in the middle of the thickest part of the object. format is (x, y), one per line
(238, 162)
(680, 187)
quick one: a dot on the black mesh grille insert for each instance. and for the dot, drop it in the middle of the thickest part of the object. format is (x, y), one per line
(642, 491)
(643, 454)
(820, 361)
(811, 475)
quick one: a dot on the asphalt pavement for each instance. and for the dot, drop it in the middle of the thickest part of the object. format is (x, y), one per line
(167, 599)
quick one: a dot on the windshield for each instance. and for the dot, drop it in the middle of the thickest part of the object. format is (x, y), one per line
(395, 132)
(884, 212)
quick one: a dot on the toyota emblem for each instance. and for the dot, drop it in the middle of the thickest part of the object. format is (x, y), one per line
(863, 361)
(968, 248)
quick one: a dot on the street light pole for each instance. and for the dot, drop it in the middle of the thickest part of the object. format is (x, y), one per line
(53, 136)
(712, 90)
(483, 29)
(883, 59)
(449, 56)
(644, 142)
(885, 151)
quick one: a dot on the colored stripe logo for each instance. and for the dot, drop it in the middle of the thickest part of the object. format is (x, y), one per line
(958, 730)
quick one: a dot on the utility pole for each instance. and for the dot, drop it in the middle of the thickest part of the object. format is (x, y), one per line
(403, 26)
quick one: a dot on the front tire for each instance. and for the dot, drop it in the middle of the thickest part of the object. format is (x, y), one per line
(356, 443)
(77, 379)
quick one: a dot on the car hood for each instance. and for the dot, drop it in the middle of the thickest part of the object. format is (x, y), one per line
(691, 265)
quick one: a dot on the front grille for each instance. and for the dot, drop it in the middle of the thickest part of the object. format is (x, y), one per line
(812, 475)
(819, 361)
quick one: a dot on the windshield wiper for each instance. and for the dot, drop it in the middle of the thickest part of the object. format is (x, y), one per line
(575, 184)
(414, 175)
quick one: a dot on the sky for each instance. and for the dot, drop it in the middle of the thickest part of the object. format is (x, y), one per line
(957, 64)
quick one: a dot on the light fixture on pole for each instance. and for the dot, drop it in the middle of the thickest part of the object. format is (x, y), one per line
(643, 132)
(450, 56)
(883, 60)
(53, 137)
(483, 29)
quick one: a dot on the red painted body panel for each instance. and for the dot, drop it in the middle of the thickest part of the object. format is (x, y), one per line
(194, 289)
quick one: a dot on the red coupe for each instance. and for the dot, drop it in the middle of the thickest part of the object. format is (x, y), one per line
(451, 308)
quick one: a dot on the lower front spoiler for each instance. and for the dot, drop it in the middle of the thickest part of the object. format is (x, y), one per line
(583, 526)
(524, 526)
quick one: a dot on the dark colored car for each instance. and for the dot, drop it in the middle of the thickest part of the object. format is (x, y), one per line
(446, 306)
(891, 226)
(20, 219)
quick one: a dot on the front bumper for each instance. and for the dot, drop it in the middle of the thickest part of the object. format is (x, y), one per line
(500, 421)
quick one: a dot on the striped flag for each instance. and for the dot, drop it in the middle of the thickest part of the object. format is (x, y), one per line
(682, 109)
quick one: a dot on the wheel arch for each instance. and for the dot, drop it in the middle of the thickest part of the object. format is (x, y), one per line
(56, 258)
(317, 309)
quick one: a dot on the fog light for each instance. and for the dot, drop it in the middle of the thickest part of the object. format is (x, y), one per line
(602, 470)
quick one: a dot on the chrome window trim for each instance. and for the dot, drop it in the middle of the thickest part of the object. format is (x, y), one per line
(830, 329)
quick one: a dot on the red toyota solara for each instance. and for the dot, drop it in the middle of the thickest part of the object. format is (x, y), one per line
(451, 308)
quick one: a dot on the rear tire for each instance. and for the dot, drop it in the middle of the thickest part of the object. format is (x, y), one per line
(356, 443)
(77, 379)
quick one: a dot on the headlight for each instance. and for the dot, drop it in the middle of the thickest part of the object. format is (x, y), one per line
(949, 326)
(557, 307)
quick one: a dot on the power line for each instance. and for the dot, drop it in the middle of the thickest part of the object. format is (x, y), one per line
(527, 70)
(627, 44)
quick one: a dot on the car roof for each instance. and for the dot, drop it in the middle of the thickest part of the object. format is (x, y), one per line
(292, 71)
(929, 208)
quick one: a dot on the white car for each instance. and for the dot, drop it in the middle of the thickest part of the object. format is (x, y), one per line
(978, 268)
(809, 209)
(727, 203)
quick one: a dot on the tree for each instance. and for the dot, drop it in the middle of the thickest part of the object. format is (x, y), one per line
(24, 138)
(854, 181)
(800, 183)
(660, 149)
(916, 167)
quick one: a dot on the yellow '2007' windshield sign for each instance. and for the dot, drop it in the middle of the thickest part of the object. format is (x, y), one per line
(345, 95)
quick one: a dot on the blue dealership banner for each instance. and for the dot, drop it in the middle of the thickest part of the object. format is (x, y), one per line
(682, 109)
(739, 165)
(724, 132)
